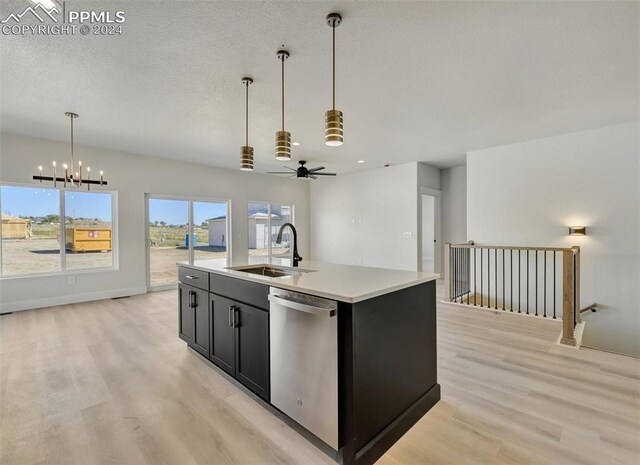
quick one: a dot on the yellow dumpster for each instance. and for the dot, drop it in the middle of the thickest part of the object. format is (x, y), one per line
(88, 239)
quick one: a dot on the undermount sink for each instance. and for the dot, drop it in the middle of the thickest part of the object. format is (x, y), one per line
(269, 270)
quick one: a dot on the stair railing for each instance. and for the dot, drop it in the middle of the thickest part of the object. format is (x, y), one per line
(537, 281)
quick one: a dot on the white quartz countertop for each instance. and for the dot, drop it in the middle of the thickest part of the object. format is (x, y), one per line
(345, 283)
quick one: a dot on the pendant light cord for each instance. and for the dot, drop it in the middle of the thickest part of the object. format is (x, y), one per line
(246, 117)
(72, 163)
(283, 92)
(333, 29)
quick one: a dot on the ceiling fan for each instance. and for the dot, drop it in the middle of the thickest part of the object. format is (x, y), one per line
(303, 172)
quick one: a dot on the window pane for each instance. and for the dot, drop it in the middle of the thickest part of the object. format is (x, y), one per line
(210, 231)
(258, 232)
(168, 229)
(281, 214)
(30, 230)
(88, 229)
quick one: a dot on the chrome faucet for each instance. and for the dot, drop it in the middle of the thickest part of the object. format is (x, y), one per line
(296, 258)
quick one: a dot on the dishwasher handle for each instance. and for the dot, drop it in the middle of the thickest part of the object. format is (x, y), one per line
(295, 305)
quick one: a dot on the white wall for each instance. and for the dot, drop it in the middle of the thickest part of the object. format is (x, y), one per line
(529, 193)
(132, 176)
(454, 205)
(363, 218)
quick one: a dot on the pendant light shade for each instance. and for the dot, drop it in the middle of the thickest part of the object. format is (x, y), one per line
(283, 138)
(333, 121)
(246, 151)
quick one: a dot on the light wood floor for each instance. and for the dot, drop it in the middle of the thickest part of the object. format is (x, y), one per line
(109, 382)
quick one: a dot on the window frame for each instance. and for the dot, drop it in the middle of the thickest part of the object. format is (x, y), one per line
(269, 257)
(190, 230)
(115, 255)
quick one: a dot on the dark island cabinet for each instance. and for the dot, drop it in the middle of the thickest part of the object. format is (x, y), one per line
(194, 318)
(223, 346)
(252, 348)
(240, 342)
(186, 316)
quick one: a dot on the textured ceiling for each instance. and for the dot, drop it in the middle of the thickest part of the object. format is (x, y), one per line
(417, 81)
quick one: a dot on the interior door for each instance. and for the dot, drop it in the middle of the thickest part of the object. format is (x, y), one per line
(223, 349)
(428, 233)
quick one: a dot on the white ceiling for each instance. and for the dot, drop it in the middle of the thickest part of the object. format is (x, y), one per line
(417, 81)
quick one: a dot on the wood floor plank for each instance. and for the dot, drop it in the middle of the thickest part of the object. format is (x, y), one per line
(109, 382)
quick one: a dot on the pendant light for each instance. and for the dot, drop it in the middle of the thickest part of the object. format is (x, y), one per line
(72, 178)
(246, 151)
(333, 124)
(283, 138)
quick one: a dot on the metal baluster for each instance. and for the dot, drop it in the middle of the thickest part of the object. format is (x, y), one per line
(527, 282)
(545, 284)
(503, 274)
(451, 275)
(519, 280)
(475, 276)
(481, 278)
(455, 274)
(495, 274)
(511, 273)
(554, 284)
(536, 283)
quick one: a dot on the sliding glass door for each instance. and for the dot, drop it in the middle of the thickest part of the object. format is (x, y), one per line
(167, 233)
(183, 230)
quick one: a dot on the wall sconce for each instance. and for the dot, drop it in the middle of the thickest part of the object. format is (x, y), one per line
(577, 230)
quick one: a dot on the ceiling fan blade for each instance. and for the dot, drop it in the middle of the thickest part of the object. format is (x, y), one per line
(289, 168)
(325, 174)
(312, 176)
(278, 172)
(319, 168)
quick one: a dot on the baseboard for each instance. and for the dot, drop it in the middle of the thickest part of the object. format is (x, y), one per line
(577, 334)
(69, 299)
(380, 444)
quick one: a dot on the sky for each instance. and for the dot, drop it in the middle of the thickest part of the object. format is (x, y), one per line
(177, 211)
(27, 201)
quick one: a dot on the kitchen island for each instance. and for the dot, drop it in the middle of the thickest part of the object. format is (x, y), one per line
(346, 352)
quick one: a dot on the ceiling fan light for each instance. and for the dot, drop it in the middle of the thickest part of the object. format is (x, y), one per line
(334, 129)
(246, 158)
(283, 145)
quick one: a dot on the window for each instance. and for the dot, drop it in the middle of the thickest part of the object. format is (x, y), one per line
(264, 221)
(88, 230)
(171, 223)
(34, 240)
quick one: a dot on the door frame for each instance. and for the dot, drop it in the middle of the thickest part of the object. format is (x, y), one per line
(438, 250)
(190, 200)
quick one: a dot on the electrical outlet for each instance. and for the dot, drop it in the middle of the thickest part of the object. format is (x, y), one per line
(71, 281)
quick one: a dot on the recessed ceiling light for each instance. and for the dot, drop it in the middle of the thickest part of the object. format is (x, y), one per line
(295, 143)
(360, 161)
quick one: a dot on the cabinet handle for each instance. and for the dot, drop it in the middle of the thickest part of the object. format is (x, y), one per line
(236, 322)
(192, 299)
(231, 307)
(191, 277)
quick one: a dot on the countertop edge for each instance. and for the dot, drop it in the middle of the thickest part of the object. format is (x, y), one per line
(315, 292)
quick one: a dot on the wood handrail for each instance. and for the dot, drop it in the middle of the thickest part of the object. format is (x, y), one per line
(512, 247)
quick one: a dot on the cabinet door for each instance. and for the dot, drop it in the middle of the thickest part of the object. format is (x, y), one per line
(186, 313)
(252, 348)
(202, 324)
(223, 350)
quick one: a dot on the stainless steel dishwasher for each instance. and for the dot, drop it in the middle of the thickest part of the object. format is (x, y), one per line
(303, 333)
